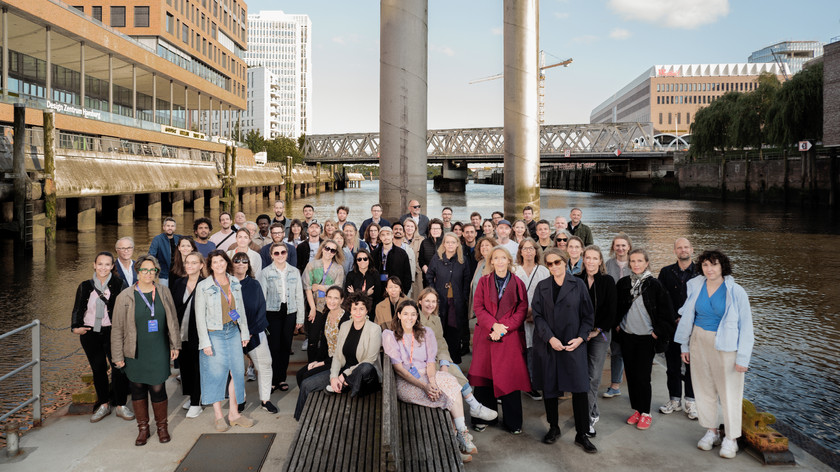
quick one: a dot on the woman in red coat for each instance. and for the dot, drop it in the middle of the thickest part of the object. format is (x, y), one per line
(498, 368)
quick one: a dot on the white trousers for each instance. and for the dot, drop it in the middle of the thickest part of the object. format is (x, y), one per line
(262, 364)
(714, 378)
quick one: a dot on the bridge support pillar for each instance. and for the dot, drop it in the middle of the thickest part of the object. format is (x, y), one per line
(403, 73)
(86, 217)
(198, 203)
(318, 178)
(214, 198)
(453, 177)
(154, 206)
(522, 125)
(125, 210)
(272, 195)
(290, 186)
(177, 203)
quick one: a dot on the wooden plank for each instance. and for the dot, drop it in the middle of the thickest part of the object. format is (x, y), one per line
(296, 448)
(373, 461)
(356, 436)
(334, 449)
(435, 458)
(323, 432)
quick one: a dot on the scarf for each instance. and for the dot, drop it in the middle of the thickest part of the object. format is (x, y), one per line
(636, 281)
(100, 301)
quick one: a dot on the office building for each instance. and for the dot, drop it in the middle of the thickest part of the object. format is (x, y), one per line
(263, 113)
(793, 53)
(669, 95)
(282, 43)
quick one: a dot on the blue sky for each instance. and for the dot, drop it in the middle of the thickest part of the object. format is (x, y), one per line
(611, 42)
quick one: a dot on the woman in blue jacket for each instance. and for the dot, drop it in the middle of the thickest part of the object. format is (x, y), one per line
(716, 334)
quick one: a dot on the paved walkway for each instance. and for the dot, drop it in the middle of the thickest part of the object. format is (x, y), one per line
(72, 443)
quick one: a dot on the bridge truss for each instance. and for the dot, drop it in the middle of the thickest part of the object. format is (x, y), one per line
(584, 141)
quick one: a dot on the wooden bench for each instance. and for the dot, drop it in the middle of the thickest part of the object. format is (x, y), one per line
(337, 433)
(415, 438)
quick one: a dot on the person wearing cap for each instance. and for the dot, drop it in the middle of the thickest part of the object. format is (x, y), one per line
(503, 231)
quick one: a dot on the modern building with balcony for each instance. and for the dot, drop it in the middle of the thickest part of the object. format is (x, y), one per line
(282, 43)
(267, 112)
(793, 53)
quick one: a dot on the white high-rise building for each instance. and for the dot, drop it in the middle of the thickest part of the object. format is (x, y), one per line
(263, 106)
(282, 43)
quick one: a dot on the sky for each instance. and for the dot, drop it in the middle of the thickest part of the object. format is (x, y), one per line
(611, 42)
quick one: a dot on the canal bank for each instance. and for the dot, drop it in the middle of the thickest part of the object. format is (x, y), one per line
(794, 294)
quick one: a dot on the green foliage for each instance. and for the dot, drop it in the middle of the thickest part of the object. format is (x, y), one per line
(279, 148)
(772, 114)
(254, 141)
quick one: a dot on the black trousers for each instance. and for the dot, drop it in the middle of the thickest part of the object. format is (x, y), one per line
(190, 375)
(638, 352)
(674, 363)
(511, 407)
(464, 327)
(362, 381)
(580, 408)
(453, 341)
(97, 347)
(281, 330)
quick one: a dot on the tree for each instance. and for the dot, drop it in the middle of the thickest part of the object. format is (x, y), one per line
(254, 141)
(797, 112)
(712, 127)
(279, 148)
(749, 128)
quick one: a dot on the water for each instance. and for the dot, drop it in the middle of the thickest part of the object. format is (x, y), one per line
(784, 257)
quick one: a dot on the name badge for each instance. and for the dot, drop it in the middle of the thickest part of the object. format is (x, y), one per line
(383, 277)
(321, 294)
(153, 326)
(234, 315)
(413, 370)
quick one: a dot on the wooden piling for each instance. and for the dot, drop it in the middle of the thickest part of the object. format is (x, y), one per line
(49, 178)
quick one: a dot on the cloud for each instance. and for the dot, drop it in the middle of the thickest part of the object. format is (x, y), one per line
(339, 40)
(497, 31)
(445, 50)
(619, 33)
(682, 14)
(585, 39)
(561, 15)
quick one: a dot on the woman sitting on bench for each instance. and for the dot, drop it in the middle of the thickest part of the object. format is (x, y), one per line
(355, 363)
(412, 349)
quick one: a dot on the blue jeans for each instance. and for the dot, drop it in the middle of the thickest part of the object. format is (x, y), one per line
(616, 361)
(227, 359)
(597, 350)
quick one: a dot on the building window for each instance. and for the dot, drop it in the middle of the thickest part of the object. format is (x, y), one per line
(170, 23)
(669, 118)
(688, 118)
(81, 8)
(141, 17)
(118, 17)
(96, 13)
(660, 118)
(185, 33)
(679, 115)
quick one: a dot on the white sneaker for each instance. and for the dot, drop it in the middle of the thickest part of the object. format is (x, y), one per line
(466, 458)
(483, 413)
(691, 409)
(465, 444)
(186, 404)
(670, 407)
(708, 441)
(329, 389)
(728, 448)
(305, 345)
(194, 411)
(594, 420)
(251, 374)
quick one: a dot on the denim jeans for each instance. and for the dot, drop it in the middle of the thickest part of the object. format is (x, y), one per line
(227, 359)
(616, 361)
(597, 350)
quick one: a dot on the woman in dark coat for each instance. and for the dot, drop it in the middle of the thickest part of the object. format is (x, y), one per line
(498, 368)
(449, 274)
(563, 318)
(364, 277)
(183, 294)
(648, 321)
(429, 247)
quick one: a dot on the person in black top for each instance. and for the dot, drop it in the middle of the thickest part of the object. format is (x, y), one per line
(364, 277)
(674, 278)
(91, 320)
(429, 246)
(183, 294)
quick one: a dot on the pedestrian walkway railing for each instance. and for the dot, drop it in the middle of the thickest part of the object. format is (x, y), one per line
(35, 364)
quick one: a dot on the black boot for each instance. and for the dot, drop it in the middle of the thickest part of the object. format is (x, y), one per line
(582, 441)
(552, 435)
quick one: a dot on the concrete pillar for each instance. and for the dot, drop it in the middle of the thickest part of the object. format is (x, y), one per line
(171, 100)
(186, 107)
(198, 203)
(82, 73)
(272, 195)
(48, 45)
(290, 185)
(125, 210)
(133, 91)
(110, 83)
(177, 203)
(19, 169)
(154, 206)
(5, 66)
(198, 112)
(522, 125)
(214, 198)
(318, 178)
(86, 219)
(403, 71)
(154, 97)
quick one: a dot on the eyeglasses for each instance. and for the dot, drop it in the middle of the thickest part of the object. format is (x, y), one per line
(241, 261)
(553, 263)
(562, 239)
(528, 248)
(144, 270)
(276, 233)
(279, 253)
(331, 249)
(362, 259)
(125, 248)
(415, 206)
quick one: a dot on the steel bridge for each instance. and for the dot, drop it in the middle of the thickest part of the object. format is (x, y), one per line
(558, 143)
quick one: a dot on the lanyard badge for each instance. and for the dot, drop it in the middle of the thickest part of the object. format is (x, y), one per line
(234, 315)
(153, 323)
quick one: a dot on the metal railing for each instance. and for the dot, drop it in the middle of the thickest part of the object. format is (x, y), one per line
(35, 363)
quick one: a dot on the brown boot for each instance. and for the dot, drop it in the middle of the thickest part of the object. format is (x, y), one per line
(141, 413)
(161, 412)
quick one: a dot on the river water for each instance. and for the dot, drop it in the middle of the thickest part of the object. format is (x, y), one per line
(784, 257)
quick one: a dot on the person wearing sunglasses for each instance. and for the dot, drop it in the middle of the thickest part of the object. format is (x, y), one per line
(284, 303)
(561, 240)
(324, 271)
(257, 348)
(419, 218)
(145, 337)
(364, 277)
(242, 245)
(277, 233)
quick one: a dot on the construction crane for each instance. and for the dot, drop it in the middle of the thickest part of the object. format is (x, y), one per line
(543, 67)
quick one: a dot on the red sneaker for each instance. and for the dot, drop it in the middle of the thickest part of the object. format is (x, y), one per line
(644, 421)
(634, 419)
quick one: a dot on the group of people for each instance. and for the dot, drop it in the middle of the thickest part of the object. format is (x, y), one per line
(547, 306)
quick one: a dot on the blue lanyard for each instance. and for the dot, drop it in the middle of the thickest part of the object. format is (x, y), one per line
(504, 285)
(324, 277)
(152, 306)
(223, 291)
